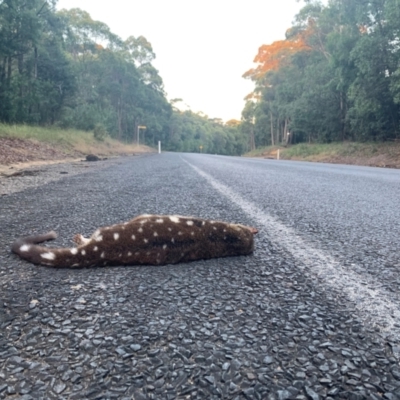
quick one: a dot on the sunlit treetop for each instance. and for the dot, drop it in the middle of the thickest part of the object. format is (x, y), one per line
(233, 122)
(271, 57)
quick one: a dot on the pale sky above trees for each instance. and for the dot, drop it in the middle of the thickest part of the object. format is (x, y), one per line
(202, 47)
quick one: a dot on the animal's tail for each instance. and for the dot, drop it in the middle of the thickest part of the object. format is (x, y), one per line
(26, 247)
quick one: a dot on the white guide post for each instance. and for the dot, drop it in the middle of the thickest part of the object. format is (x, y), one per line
(159, 147)
(277, 155)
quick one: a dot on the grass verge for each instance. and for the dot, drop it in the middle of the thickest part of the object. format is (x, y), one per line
(386, 154)
(70, 141)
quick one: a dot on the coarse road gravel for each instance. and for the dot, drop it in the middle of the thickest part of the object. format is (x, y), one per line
(313, 314)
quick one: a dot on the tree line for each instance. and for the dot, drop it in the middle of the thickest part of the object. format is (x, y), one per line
(64, 68)
(335, 77)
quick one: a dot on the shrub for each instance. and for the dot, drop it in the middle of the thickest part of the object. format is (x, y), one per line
(100, 132)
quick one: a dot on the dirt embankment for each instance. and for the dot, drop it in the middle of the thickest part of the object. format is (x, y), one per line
(17, 154)
(14, 150)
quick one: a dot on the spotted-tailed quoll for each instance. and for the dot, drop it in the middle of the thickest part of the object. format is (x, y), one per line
(145, 240)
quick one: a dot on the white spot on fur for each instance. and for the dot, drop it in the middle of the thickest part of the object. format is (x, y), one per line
(120, 255)
(203, 223)
(116, 236)
(159, 221)
(214, 228)
(102, 255)
(173, 240)
(155, 234)
(95, 248)
(143, 221)
(174, 219)
(145, 240)
(123, 228)
(75, 265)
(98, 238)
(129, 253)
(179, 233)
(83, 252)
(192, 233)
(133, 237)
(96, 233)
(165, 246)
(24, 247)
(140, 230)
(212, 222)
(190, 223)
(170, 229)
(48, 256)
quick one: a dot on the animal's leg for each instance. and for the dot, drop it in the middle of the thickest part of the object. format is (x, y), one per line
(80, 240)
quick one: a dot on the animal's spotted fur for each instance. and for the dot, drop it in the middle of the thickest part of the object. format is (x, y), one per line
(146, 239)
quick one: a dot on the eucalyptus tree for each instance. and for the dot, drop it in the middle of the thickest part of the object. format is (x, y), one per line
(335, 77)
(35, 79)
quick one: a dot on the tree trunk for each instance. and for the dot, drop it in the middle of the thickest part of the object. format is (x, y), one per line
(3, 71)
(342, 117)
(252, 141)
(35, 64)
(285, 135)
(119, 115)
(272, 128)
(9, 65)
(278, 131)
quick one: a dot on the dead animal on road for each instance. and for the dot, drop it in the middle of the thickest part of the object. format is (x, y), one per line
(145, 240)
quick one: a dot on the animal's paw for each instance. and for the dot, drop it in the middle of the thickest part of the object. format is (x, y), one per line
(78, 239)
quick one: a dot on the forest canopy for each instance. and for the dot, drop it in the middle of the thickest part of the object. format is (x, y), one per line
(335, 77)
(64, 68)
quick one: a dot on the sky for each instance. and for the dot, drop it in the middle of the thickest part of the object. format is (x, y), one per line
(202, 47)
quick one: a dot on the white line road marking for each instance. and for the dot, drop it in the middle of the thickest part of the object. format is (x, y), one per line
(373, 305)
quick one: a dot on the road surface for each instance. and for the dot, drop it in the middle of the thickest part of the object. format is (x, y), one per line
(313, 314)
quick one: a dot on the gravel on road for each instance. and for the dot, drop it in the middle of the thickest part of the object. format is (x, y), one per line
(264, 326)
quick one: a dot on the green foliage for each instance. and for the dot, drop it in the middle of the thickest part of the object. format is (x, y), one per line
(66, 69)
(345, 85)
(191, 132)
(100, 132)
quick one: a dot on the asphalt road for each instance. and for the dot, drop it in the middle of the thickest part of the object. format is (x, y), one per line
(313, 314)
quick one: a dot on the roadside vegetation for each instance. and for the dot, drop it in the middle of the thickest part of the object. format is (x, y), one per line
(69, 80)
(69, 142)
(378, 154)
(335, 77)
(64, 69)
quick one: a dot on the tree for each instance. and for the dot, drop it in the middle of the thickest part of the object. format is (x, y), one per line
(35, 80)
(334, 77)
